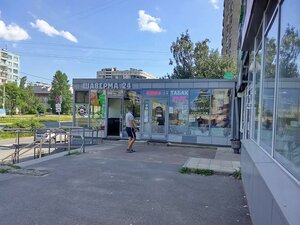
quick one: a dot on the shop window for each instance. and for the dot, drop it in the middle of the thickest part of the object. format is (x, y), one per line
(97, 108)
(256, 103)
(220, 120)
(133, 98)
(81, 108)
(82, 97)
(178, 111)
(287, 144)
(199, 112)
(270, 59)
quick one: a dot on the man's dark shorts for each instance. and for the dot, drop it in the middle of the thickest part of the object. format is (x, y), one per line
(130, 132)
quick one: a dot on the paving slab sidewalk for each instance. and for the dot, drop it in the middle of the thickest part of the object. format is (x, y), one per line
(108, 186)
(225, 161)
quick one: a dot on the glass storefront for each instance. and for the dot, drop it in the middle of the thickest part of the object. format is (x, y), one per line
(178, 111)
(287, 147)
(159, 113)
(199, 115)
(81, 108)
(97, 108)
(220, 120)
(276, 107)
(268, 85)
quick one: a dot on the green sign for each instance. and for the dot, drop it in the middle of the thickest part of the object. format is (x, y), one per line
(228, 76)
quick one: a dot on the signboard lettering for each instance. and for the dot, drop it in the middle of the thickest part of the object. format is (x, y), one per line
(106, 85)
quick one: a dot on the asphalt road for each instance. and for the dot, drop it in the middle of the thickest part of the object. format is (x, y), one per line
(108, 186)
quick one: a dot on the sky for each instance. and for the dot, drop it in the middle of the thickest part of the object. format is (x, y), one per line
(80, 38)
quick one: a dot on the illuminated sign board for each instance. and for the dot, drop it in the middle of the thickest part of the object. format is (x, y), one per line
(106, 85)
(156, 92)
(179, 92)
(153, 93)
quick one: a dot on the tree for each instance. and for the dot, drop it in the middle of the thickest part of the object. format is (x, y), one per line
(61, 87)
(198, 61)
(12, 95)
(183, 54)
(289, 53)
(28, 102)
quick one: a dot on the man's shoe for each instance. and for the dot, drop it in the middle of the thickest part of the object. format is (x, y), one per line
(133, 150)
(128, 151)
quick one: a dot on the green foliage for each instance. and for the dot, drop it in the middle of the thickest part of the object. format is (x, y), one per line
(11, 165)
(73, 153)
(29, 123)
(289, 53)
(203, 172)
(183, 50)
(185, 170)
(13, 96)
(47, 118)
(22, 98)
(4, 170)
(237, 174)
(61, 87)
(198, 61)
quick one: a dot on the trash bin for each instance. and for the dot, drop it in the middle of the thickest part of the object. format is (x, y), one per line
(236, 145)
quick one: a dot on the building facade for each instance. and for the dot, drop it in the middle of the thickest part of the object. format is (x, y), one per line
(42, 91)
(114, 73)
(231, 18)
(9, 67)
(186, 111)
(269, 94)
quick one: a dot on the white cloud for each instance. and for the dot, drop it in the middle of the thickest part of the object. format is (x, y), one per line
(149, 23)
(46, 28)
(12, 32)
(215, 3)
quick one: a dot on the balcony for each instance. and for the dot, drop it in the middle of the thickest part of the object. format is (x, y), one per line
(4, 55)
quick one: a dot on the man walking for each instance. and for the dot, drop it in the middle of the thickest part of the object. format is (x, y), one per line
(130, 129)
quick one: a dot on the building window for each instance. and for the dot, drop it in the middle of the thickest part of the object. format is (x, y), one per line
(132, 98)
(199, 113)
(81, 107)
(81, 97)
(257, 78)
(97, 108)
(15, 71)
(287, 145)
(220, 113)
(178, 111)
(16, 65)
(270, 58)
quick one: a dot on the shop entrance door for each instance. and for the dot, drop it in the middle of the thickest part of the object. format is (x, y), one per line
(114, 116)
(154, 121)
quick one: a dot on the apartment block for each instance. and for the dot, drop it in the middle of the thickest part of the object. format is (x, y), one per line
(114, 73)
(231, 17)
(9, 67)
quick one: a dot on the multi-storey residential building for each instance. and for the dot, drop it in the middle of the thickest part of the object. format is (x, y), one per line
(114, 73)
(231, 17)
(9, 67)
(42, 91)
(268, 88)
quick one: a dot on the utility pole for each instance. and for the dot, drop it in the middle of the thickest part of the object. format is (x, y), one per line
(3, 97)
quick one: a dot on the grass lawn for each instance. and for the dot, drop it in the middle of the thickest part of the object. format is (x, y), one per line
(47, 118)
